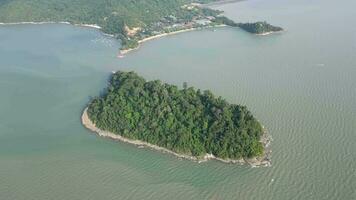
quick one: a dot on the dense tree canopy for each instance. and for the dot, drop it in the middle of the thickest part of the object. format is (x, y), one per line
(184, 120)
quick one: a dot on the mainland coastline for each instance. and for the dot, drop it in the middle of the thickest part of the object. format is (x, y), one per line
(262, 161)
(184, 17)
(123, 51)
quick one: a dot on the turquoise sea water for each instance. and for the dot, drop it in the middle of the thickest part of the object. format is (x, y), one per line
(300, 84)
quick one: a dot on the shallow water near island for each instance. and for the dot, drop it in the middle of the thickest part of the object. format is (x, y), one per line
(300, 84)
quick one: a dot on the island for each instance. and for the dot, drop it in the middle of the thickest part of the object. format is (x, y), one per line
(186, 122)
(131, 22)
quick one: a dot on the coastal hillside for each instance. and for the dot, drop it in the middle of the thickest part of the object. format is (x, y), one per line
(87, 11)
(186, 121)
(129, 21)
(125, 19)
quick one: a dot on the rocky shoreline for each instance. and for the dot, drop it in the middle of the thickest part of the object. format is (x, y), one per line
(263, 160)
(269, 33)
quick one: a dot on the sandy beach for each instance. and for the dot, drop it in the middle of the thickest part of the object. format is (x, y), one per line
(125, 51)
(254, 162)
(89, 25)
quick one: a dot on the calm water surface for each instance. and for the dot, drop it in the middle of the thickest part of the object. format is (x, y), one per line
(301, 85)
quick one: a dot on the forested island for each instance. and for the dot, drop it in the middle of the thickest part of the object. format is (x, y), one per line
(186, 122)
(130, 21)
